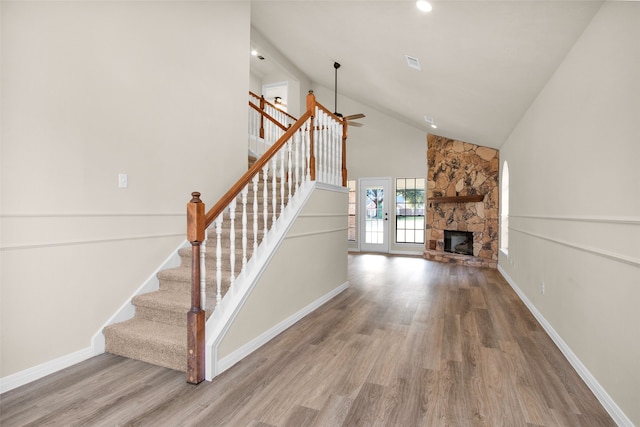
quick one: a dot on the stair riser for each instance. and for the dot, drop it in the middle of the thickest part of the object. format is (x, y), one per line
(184, 285)
(151, 352)
(178, 318)
(210, 261)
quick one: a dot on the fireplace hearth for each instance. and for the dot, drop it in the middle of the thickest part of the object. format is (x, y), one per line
(458, 242)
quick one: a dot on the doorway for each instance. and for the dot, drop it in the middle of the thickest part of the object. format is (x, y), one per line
(375, 198)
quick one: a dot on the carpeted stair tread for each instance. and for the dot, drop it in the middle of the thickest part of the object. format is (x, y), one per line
(152, 342)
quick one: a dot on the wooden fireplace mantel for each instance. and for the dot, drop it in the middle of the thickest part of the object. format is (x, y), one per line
(457, 199)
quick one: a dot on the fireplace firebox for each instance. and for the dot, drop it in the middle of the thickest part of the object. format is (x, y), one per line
(458, 242)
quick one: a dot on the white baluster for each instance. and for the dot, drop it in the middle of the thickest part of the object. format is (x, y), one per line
(219, 258)
(296, 145)
(330, 153)
(274, 187)
(319, 158)
(308, 150)
(315, 146)
(203, 272)
(326, 148)
(336, 151)
(339, 154)
(255, 212)
(245, 191)
(265, 199)
(289, 172)
(282, 180)
(232, 243)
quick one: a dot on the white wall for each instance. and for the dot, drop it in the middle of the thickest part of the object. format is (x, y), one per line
(575, 204)
(383, 147)
(91, 90)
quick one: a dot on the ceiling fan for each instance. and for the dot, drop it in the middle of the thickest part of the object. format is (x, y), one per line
(351, 117)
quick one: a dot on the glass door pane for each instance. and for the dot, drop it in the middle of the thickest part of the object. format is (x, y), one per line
(374, 217)
(374, 226)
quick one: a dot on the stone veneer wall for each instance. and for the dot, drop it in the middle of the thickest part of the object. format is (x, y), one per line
(457, 168)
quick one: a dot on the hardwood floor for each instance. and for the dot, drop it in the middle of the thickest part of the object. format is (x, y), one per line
(411, 343)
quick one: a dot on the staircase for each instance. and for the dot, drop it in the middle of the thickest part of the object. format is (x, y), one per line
(167, 327)
(158, 332)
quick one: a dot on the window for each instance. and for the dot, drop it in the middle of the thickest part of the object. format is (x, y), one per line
(351, 233)
(410, 210)
(504, 209)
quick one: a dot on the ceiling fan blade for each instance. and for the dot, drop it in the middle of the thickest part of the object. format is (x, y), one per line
(355, 116)
(355, 124)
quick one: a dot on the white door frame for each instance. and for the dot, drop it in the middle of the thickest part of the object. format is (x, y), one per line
(383, 230)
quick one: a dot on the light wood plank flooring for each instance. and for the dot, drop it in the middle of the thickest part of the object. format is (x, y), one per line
(410, 343)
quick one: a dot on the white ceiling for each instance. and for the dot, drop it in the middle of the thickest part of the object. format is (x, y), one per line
(483, 62)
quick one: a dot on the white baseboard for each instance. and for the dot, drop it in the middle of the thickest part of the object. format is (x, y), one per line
(42, 370)
(409, 253)
(607, 402)
(242, 352)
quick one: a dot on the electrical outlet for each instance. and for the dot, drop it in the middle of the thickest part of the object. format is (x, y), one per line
(122, 180)
(542, 288)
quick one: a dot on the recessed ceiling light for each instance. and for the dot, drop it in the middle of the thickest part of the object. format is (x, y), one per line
(424, 5)
(254, 52)
(429, 120)
(413, 62)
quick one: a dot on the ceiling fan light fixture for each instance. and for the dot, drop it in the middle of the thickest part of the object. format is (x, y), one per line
(424, 6)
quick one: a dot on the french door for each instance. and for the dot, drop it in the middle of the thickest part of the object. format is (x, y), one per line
(375, 203)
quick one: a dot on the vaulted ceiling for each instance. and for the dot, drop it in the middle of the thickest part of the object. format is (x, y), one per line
(482, 62)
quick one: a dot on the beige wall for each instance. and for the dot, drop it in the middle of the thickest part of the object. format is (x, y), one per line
(306, 267)
(90, 90)
(575, 204)
(383, 147)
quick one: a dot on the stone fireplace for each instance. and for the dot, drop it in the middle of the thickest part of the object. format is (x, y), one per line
(462, 199)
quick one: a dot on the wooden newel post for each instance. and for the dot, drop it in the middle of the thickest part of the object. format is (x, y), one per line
(344, 153)
(195, 316)
(311, 108)
(262, 116)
